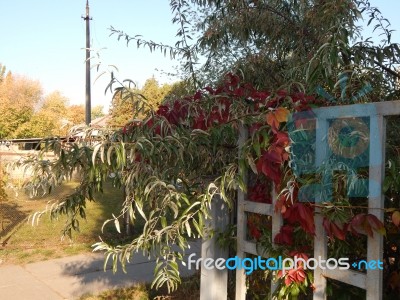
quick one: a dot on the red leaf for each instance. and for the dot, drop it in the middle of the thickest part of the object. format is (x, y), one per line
(273, 156)
(259, 193)
(282, 114)
(281, 205)
(358, 220)
(269, 165)
(288, 280)
(327, 225)
(287, 215)
(285, 236)
(281, 139)
(200, 122)
(163, 110)
(302, 214)
(360, 224)
(297, 254)
(339, 233)
(255, 233)
(254, 128)
(272, 121)
(302, 209)
(332, 229)
(209, 89)
(294, 275)
(197, 96)
(300, 275)
(376, 224)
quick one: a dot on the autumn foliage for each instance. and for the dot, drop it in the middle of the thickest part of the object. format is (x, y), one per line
(209, 108)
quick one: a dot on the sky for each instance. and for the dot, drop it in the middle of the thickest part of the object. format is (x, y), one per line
(45, 39)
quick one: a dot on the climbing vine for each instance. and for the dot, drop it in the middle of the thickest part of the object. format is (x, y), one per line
(172, 163)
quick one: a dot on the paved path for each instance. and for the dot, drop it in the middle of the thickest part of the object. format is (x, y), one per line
(72, 277)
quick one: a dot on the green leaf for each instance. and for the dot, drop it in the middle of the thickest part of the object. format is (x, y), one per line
(109, 151)
(252, 164)
(163, 221)
(387, 183)
(140, 210)
(116, 224)
(188, 229)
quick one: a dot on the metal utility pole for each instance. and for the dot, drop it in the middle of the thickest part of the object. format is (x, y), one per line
(88, 109)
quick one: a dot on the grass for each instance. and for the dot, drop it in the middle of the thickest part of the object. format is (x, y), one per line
(189, 289)
(22, 243)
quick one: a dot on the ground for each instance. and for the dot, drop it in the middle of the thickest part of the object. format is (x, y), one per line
(21, 242)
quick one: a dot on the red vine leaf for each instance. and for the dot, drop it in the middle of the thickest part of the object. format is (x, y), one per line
(376, 224)
(333, 230)
(274, 118)
(365, 224)
(285, 236)
(302, 214)
(293, 275)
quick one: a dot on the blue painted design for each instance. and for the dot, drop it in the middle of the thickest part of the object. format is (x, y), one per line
(346, 143)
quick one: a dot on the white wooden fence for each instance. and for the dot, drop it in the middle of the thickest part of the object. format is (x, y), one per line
(371, 281)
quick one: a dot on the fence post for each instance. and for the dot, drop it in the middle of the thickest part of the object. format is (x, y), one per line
(320, 240)
(241, 289)
(214, 282)
(376, 201)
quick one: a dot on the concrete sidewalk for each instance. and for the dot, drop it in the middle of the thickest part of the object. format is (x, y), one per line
(72, 277)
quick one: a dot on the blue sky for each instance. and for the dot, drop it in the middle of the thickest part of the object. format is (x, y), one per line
(44, 40)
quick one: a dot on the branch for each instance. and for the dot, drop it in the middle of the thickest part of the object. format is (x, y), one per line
(390, 71)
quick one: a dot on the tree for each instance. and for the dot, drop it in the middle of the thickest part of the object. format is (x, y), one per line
(55, 104)
(97, 112)
(180, 89)
(26, 113)
(46, 121)
(312, 43)
(153, 92)
(306, 45)
(121, 110)
(40, 125)
(76, 114)
(128, 104)
(2, 72)
(19, 97)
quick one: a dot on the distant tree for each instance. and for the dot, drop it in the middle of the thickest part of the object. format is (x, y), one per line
(55, 104)
(19, 97)
(76, 114)
(2, 72)
(180, 90)
(26, 113)
(40, 125)
(154, 92)
(97, 112)
(47, 120)
(121, 110)
(135, 103)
